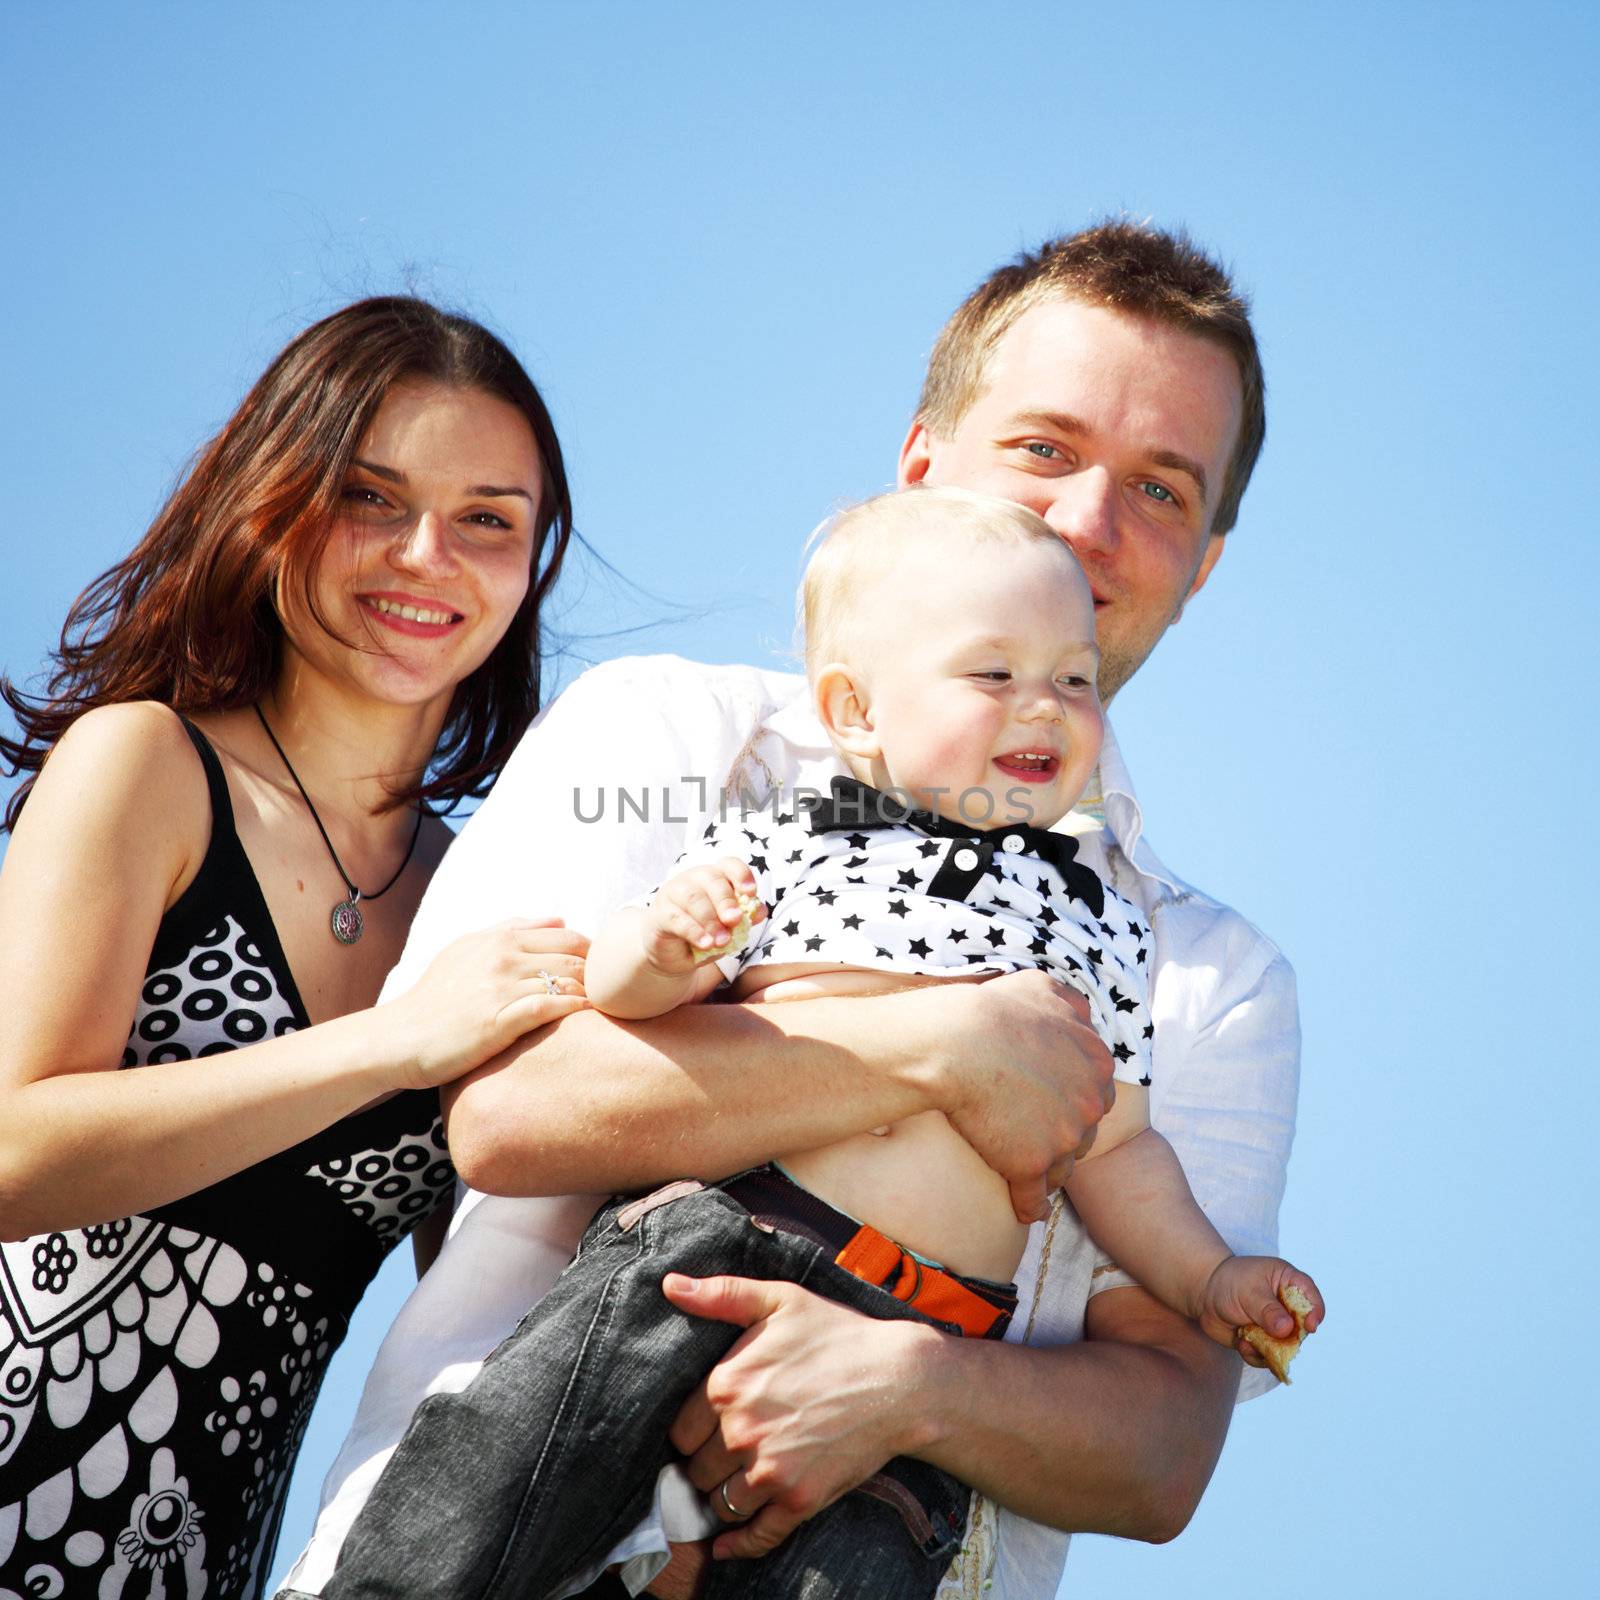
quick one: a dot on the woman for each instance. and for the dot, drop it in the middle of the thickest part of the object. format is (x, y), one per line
(331, 629)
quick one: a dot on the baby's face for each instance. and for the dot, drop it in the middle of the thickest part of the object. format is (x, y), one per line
(982, 684)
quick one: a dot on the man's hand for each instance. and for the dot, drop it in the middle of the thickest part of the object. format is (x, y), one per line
(1027, 1091)
(808, 1404)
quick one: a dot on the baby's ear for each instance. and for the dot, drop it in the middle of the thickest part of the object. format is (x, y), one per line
(845, 711)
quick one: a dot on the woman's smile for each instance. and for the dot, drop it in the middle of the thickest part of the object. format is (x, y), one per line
(410, 614)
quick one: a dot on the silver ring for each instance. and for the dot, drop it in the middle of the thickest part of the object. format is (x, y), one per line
(550, 984)
(728, 1505)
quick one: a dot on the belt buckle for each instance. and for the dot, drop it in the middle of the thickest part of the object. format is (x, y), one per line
(916, 1278)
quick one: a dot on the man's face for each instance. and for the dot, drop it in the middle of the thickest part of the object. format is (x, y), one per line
(1116, 431)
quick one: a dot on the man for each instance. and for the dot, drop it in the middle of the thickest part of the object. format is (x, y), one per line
(1110, 382)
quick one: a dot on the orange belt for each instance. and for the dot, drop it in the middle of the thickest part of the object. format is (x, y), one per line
(876, 1259)
(774, 1198)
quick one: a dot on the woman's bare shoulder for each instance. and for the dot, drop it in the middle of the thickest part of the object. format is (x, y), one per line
(129, 767)
(144, 732)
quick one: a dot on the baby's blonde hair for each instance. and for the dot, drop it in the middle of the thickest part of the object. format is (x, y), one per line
(857, 548)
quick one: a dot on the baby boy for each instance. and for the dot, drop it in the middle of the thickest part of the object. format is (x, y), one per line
(951, 653)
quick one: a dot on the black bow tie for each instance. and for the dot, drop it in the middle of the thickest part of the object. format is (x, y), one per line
(856, 807)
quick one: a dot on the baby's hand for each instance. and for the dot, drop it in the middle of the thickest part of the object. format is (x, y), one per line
(1257, 1292)
(693, 915)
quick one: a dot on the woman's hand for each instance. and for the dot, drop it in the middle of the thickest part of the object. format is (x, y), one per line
(481, 994)
(69, 983)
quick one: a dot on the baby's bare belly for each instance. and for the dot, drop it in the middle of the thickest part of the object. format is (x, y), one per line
(920, 1182)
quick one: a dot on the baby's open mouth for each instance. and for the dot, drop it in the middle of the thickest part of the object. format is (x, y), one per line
(1029, 763)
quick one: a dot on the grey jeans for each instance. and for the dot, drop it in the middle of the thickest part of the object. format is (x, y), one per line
(551, 1453)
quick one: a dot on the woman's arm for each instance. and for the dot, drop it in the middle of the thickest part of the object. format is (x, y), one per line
(594, 1104)
(114, 828)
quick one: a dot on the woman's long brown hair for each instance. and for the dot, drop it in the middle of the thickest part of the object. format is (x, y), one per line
(188, 617)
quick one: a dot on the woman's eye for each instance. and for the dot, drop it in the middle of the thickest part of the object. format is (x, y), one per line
(359, 494)
(488, 519)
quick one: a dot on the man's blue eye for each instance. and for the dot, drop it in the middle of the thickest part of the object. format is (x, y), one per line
(1045, 452)
(1159, 491)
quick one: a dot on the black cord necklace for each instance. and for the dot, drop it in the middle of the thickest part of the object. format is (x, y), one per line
(346, 921)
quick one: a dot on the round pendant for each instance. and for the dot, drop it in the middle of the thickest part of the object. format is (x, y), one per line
(347, 922)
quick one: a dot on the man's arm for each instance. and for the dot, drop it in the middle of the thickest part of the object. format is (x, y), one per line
(581, 821)
(594, 1104)
(1128, 1425)
(1118, 1434)
(1140, 1408)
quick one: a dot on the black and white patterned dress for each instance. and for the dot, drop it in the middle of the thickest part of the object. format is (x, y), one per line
(157, 1372)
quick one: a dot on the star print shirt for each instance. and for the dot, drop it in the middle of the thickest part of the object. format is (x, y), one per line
(897, 899)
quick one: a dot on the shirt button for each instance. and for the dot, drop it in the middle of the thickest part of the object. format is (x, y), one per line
(966, 859)
(1011, 842)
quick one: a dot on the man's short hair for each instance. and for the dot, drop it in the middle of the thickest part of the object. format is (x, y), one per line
(1123, 266)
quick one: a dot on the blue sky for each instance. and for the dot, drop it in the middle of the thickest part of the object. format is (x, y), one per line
(723, 238)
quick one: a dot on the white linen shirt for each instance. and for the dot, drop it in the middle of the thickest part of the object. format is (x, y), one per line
(589, 814)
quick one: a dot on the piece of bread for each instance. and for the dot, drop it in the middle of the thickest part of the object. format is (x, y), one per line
(1278, 1353)
(748, 906)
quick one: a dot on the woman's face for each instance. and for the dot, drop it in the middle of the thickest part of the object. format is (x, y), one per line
(432, 549)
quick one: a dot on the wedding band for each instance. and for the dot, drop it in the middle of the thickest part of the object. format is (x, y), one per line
(728, 1505)
(550, 984)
